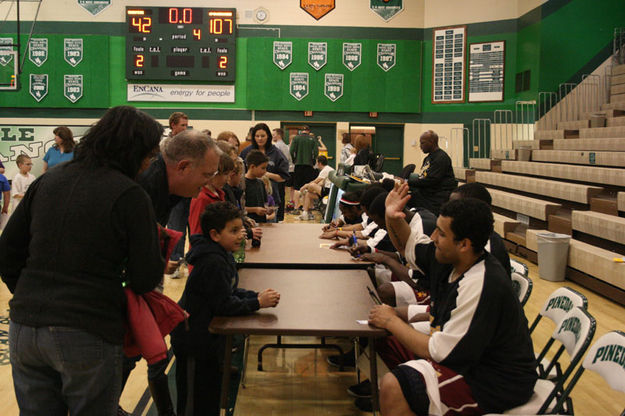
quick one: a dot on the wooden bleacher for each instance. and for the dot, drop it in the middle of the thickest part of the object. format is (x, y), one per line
(607, 144)
(532, 207)
(616, 159)
(607, 227)
(464, 174)
(602, 132)
(590, 260)
(579, 169)
(555, 189)
(503, 224)
(588, 174)
(484, 164)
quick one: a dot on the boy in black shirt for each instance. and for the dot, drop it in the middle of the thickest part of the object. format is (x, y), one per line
(255, 193)
(211, 290)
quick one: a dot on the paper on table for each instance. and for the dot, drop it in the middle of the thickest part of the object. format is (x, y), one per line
(325, 245)
(362, 321)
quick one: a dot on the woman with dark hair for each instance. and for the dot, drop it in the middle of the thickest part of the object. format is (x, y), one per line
(62, 150)
(364, 155)
(278, 167)
(82, 231)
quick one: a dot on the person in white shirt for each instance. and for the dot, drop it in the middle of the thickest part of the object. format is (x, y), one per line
(22, 180)
(283, 187)
(316, 189)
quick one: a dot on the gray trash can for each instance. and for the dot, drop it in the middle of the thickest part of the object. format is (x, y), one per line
(553, 255)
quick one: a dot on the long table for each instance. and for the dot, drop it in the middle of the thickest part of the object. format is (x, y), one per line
(298, 246)
(312, 303)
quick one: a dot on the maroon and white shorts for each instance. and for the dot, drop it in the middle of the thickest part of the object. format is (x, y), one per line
(447, 392)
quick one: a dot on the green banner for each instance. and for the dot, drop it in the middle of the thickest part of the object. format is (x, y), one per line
(73, 51)
(333, 86)
(387, 53)
(38, 86)
(282, 54)
(5, 51)
(298, 82)
(317, 54)
(352, 55)
(72, 87)
(94, 6)
(38, 51)
(386, 9)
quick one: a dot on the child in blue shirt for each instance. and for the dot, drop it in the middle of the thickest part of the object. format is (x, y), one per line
(5, 198)
(211, 290)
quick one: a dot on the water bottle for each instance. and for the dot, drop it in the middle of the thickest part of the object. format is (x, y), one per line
(239, 255)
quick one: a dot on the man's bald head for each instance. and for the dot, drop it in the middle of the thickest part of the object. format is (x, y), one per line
(428, 141)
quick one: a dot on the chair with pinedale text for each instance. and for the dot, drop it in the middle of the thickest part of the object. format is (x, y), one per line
(574, 332)
(606, 357)
(555, 307)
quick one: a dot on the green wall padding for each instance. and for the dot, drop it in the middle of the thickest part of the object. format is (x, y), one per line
(94, 68)
(366, 88)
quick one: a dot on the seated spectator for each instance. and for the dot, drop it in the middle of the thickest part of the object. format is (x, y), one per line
(255, 193)
(211, 290)
(432, 185)
(484, 363)
(316, 189)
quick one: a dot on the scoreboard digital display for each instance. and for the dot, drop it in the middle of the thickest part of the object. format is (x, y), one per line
(180, 43)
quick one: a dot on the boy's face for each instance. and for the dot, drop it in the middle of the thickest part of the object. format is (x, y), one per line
(220, 180)
(235, 178)
(258, 171)
(231, 236)
(25, 166)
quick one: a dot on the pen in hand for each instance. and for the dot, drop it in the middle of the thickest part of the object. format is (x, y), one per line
(374, 296)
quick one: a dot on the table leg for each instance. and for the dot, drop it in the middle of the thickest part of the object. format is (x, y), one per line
(225, 380)
(374, 376)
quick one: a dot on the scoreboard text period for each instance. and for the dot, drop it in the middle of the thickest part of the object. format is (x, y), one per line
(180, 43)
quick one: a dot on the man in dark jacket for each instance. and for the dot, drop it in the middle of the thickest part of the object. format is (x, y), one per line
(211, 290)
(186, 163)
(431, 187)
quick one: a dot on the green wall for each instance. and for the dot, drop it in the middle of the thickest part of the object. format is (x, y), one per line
(367, 88)
(557, 42)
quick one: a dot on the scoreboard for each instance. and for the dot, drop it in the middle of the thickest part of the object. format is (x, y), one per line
(180, 43)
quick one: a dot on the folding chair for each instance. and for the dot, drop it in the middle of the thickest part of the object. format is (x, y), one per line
(575, 332)
(523, 287)
(558, 304)
(519, 267)
(606, 357)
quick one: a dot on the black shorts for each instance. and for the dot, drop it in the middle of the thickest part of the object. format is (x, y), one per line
(302, 175)
(289, 182)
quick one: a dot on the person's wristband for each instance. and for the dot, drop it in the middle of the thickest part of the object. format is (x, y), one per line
(337, 234)
(375, 250)
(340, 228)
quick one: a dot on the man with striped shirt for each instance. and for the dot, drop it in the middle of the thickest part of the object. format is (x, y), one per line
(478, 357)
